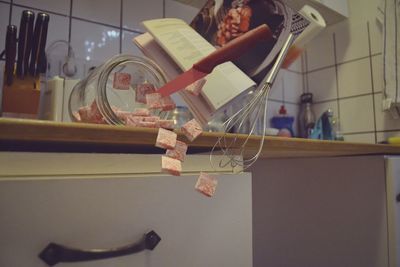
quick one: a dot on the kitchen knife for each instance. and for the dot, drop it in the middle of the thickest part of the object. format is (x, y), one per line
(25, 42)
(230, 51)
(38, 58)
(11, 50)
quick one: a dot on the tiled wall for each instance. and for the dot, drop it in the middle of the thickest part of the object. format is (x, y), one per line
(100, 29)
(343, 69)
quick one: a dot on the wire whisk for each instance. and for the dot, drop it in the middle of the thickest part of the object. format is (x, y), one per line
(234, 147)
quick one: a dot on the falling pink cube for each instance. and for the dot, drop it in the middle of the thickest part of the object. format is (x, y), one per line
(179, 151)
(142, 90)
(121, 80)
(171, 166)
(206, 184)
(166, 124)
(192, 129)
(166, 139)
(196, 87)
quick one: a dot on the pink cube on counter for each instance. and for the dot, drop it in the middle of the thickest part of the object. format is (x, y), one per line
(179, 151)
(166, 139)
(121, 81)
(151, 118)
(192, 129)
(196, 87)
(156, 101)
(141, 112)
(171, 166)
(206, 184)
(142, 90)
(153, 101)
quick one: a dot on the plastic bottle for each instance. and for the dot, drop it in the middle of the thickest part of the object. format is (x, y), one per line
(306, 118)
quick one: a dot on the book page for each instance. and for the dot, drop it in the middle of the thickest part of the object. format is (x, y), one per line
(186, 47)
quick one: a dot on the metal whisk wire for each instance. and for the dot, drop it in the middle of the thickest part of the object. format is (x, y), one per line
(231, 145)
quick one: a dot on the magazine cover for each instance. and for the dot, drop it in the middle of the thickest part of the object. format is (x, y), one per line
(221, 21)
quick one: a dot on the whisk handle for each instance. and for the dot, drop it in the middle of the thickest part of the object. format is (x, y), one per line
(233, 49)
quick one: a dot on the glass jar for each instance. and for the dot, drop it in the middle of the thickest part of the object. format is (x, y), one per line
(112, 89)
(180, 115)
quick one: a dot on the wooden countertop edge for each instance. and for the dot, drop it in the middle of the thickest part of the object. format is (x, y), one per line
(82, 133)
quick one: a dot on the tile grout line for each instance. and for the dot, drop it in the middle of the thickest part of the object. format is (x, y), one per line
(372, 81)
(337, 79)
(39, 9)
(10, 13)
(120, 24)
(346, 97)
(163, 11)
(306, 66)
(71, 4)
(344, 62)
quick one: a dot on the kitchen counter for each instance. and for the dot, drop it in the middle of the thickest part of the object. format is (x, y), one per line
(35, 135)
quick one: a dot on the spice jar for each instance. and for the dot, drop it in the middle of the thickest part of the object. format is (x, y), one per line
(115, 88)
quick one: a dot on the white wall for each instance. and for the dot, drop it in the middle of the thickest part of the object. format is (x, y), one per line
(344, 72)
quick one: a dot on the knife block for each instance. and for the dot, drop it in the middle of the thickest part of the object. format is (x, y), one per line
(23, 96)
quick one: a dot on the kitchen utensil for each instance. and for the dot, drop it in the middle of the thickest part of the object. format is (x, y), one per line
(228, 52)
(25, 42)
(11, 50)
(306, 117)
(38, 59)
(254, 111)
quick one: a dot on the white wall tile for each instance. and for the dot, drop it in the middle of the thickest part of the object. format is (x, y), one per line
(377, 72)
(293, 110)
(59, 6)
(368, 138)
(383, 136)
(277, 87)
(293, 86)
(297, 65)
(351, 40)
(134, 12)
(320, 108)
(356, 114)
(106, 11)
(128, 46)
(174, 9)
(93, 41)
(384, 121)
(322, 84)
(4, 15)
(354, 78)
(320, 51)
(375, 31)
(58, 25)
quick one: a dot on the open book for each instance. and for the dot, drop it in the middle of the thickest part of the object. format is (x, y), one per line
(185, 46)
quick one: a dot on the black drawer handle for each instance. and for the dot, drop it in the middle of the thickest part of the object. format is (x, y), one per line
(55, 253)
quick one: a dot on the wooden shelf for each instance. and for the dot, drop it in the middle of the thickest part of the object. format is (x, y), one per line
(35, 135)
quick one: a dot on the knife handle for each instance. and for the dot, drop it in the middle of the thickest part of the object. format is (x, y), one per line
(24, 42)
(233, 49)
(11, 50)
(39, 42)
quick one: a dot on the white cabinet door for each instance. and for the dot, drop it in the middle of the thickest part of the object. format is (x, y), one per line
(105, 211)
